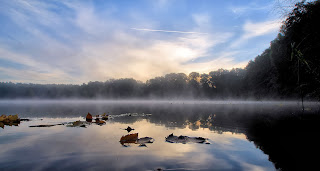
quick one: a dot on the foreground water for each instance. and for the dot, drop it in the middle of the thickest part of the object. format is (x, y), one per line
(241, 135)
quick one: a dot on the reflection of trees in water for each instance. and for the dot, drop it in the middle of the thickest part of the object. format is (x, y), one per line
(288, 136)
(290, 141)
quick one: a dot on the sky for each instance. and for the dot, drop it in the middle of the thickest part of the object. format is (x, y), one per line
(74, 42)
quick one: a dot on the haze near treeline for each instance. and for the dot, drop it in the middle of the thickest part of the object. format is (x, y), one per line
(288, 68)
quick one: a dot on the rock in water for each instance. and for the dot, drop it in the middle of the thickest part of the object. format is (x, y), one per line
(10, 118)
(100, 122)
(129, 129)
(145, 140)
(13, 118)
(3, 118)
(105, 117)
(89, 117)
(2, 125)
(185, 139)
(77, 123)
(130, 138)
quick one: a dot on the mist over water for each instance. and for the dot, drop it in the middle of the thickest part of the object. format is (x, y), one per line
(241, 134)
(74, 108)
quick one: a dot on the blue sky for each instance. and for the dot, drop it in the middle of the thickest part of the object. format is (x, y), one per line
(79, 41)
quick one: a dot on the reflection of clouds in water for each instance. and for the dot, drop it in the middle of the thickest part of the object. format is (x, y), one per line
(98, 147)
(21, 136)
(249, 166)
(252, 167)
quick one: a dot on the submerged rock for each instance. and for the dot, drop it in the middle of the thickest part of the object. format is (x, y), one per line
(142, 145)
(145, 140)
(78, 124)
(185, 139)
(100, 122)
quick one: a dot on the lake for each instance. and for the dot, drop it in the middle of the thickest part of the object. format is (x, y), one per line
(239, 135)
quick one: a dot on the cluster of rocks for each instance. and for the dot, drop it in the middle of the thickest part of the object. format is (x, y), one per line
(185, 139)
(133, 139)
(98, 118)
(9, 120)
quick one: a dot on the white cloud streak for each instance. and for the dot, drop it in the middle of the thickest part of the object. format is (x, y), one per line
(168, 31)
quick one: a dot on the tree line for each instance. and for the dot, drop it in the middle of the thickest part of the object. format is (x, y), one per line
(288, 69)
(216, 84)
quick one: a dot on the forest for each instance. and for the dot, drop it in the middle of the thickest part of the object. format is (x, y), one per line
(288, 69)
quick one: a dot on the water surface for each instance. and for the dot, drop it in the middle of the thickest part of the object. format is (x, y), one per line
(235, 131)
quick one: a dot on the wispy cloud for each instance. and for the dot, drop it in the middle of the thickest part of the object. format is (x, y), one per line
(74, 42)
(102, 48)
(251, 30)
(168, 31)
(259, 29)
(240, 10)
(253, 7)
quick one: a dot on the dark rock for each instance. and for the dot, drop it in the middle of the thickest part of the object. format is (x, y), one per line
(89, 117)
(129, 129)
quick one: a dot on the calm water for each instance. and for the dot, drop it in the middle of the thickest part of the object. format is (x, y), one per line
(236, 132)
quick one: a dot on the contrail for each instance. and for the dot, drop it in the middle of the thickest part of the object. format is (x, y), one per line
(168, 31)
